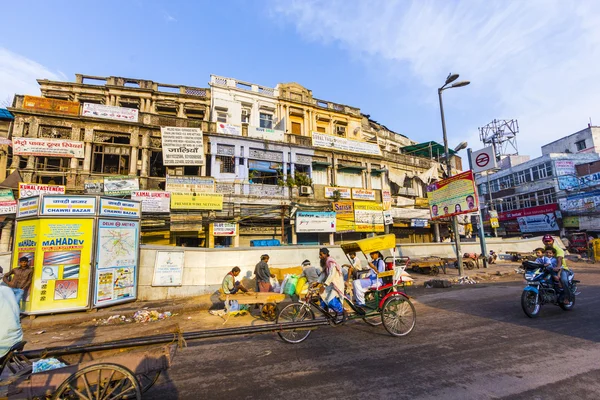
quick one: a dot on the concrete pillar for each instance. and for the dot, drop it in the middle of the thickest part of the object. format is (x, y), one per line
(87, 161)
(211, 236)
(236, 238)
(15, 163)
(5, 244)
(294, 234)
(133, 159)
(331, 239)
(180, 112)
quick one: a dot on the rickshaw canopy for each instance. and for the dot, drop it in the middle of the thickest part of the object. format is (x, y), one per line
(368, 245)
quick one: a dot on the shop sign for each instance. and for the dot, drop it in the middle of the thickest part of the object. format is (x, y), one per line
(538, 223)
(548, 208)
(120, 185)
(308, 221)
(117, 248)
(567, 176)
(343, 193)
(35, 189)
(198, 201)
(419, 223)
(93, 186)
(421, 202)
(190, 184)
(48, 147)
(109, 112)
(589, 180)
(52, 105)
(8, 204)
(65, 205)
(588, 201)
(182, 146)
(388, 219)
(168, 268)
(120, 208)
(265, 134)
(224, 229)
(363, 194)
(453, 196)
(153, 201)
(229, 129)
(344, 216)
(368, 216)
(28, 207)
(338, 143)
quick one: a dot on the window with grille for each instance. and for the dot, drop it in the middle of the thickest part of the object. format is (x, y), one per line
(245, 116)
(266, 121)
(580, 145)
(112, 156)
(227, 164)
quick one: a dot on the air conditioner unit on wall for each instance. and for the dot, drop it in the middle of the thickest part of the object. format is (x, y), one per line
(305, 190)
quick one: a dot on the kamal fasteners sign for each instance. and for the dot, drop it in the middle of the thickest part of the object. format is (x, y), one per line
(307, 221)
(182, 146)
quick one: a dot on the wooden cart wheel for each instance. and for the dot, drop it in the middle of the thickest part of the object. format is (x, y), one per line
(269, 311)
(435, 270)
(146, 381)
(100, 381)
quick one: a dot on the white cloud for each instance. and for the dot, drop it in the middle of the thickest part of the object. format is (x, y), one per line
(18, 75)
(535, 61)
(169, 17)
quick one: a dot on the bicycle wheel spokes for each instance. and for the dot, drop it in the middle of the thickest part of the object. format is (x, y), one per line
(295, 312)
(398, 316)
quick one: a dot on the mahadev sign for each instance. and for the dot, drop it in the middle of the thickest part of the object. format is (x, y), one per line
(307, 221)
(35, 189)
(337, 143)
(153, 201)
(344, 193)
(48, 147)
(198, 201)
(109, 112)
(224, 229)
(453, 196)
(182, 146)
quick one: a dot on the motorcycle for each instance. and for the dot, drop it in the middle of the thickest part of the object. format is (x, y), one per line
(541, 289)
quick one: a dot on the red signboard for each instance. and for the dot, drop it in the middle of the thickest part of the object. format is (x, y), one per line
(524, 212)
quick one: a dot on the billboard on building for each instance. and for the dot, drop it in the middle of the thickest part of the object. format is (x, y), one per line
(120, 185)
(332, 192)
(153, 201)
(93, 185)
(48, 147)
(566, 174)
(266, 134)
(453, 196)
(368, 216)
(224, 229)
(182, 146)
(315, 222)
(538, 223)
(229, 129)
(363, 194)
(342, 144)
(35, 189)
(197, 201)
(190, 184)
(52, 105)
(109, 112)
(8, 204)
(344, 216)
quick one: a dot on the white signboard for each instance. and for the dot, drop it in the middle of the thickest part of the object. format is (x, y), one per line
(153, 201)
(182, 146)
(8, 207)
(65, 205)
(109, 112)
(567, 176)
(538, 223)
(483, 159)
(266, 134)
(344, 193)
(363, 194)
(308, 221)
(34, 189)
(120, 185)
(28, 207)
(343, 144)
(120, 208)
(190, 184)
(48, 147)
(168, 268)
(419, 223)
(229, 129)
(387, 218)
(224, 229)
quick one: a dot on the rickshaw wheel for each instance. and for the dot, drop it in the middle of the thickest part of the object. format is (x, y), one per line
(269, 311)
(435, 270)
(295, 312)
(398, 316)
(100, 381)
(373, 319)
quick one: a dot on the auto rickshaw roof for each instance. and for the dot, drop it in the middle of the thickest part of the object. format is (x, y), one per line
(368, 245)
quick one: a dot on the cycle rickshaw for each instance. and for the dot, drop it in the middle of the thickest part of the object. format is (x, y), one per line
(385, 304)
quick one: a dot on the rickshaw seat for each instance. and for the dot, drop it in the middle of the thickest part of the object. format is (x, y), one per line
(5, 359)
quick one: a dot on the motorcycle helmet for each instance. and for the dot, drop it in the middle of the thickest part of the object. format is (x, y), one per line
(547, 238)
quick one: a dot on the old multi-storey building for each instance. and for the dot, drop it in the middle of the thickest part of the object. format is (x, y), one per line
(269, 154)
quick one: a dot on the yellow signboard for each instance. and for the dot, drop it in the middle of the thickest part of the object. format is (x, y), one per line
(53, 105)
(60, 252)
(368, 216)
(198, 201)
(344, 216)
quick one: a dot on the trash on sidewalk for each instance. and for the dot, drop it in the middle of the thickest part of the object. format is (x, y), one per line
(145, 315)
(465, 280)
(40, 332)
(46, 364)
(437, 283)
(218, 313)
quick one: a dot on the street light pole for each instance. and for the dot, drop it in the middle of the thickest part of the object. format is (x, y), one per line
(451, 78)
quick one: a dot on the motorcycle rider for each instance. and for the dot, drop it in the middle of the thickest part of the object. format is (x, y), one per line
(561, 265)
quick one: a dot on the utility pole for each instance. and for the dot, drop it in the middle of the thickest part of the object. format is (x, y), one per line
(283, 210)
(480, 222)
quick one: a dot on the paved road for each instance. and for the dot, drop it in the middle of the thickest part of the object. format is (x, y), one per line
(469, 343)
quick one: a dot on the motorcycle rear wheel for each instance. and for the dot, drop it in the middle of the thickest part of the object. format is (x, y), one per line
(568, 307)
(529, 303)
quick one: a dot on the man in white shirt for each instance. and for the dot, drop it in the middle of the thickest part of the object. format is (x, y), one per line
(10, 328)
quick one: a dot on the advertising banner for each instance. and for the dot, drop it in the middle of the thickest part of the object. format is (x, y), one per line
(567, 175)
(363, 194)
(182, 146)
(344, 216)
(386, 198)
(229, 129)
(198, 201)
(168, 268)
(48, 147)
(224, 229)
(308, 221)
(388, 218)
(368, 216)
(65, 205)
(453, 196)
(343, 144)
(265, 134)
(588, 201)
(344, 193)
(153, 201)
(109, 112)
(117, 249)
(120, 208)
(28, 207)
(190, 184)
(120, 185)
(61, 260)
(8, 204)
(548, 208)
(35, 189)
(93, 186)
(538, 223)
(589, 181)
(52, 105)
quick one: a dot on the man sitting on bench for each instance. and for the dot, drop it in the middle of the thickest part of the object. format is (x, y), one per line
(230, 285)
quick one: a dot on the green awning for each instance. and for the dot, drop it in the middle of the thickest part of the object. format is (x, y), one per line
(321, 163)
(426, 150)
(355, 167)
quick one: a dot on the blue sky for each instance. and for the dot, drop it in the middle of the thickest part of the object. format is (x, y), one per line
(534, 61)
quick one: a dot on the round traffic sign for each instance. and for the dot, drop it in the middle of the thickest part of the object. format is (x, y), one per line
(482, 160)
